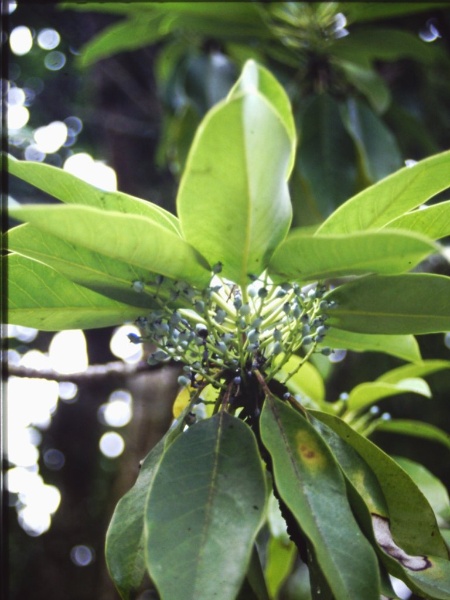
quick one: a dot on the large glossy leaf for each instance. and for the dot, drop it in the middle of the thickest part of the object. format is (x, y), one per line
(125, 541)
(401, 346)
(326, 154)
(432, 221)
(416, 429)
(420, 369)
(255, 77)
(310, 482)
(390, 198)
(412, 521)
(398, 304)
(311, 257)
(377, 147)
(107, 276)
(205, 507)
(40, 297)
(70, 189)
(233, 200)
(133, 239)
(365, 394)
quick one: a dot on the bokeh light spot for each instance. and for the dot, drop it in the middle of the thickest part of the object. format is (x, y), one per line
(49, 139)
(48, 39)
(17, 117)
(55, 60)
(21, 40)
(111, 444)
(122, 347)
(82, 556)
(82, 165)
(54, 459)
(68, 352)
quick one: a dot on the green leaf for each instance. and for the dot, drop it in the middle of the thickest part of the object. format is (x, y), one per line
(384, 44)
(390, 198)
(141, 30)
(365, 394)
(431, 487)
(233, 200)
(420, 369)
(107, 276)
(395, 304)
(306, 381)
(406, 533)
(279, 563)
(308, 258)
(204, 510)
(133, 239)
(377, 147)
(70, 189)
(371, 11)
(255, 77)
(326, 157)
(40, 297)
(432, 221)
(416, 429)
(366, 80)
(310, 482)
(401, 346)
(125, 536)
(412, 520)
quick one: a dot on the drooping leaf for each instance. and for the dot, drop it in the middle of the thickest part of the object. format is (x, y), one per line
(326, 157)
(311, 257)
(392, 197)
(310, 482)
(107, 276)
(416, 429)
(140, 30)
(420, 369)
(130, 238)
(40, 297)
(70, 189)
(125, 536)
(401, 346)
(384, 508)
(233, 200)
(432, 221)
(204, 510)
(412, 521)
(365, 394)
(376, 145)
(394, 304)
(432, 488)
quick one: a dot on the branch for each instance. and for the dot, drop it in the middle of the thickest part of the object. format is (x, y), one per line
(117, 369)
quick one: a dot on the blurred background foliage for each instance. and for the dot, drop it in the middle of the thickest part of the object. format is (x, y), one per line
(116, 91)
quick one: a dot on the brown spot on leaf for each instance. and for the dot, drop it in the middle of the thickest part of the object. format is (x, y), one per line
(308, 450)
